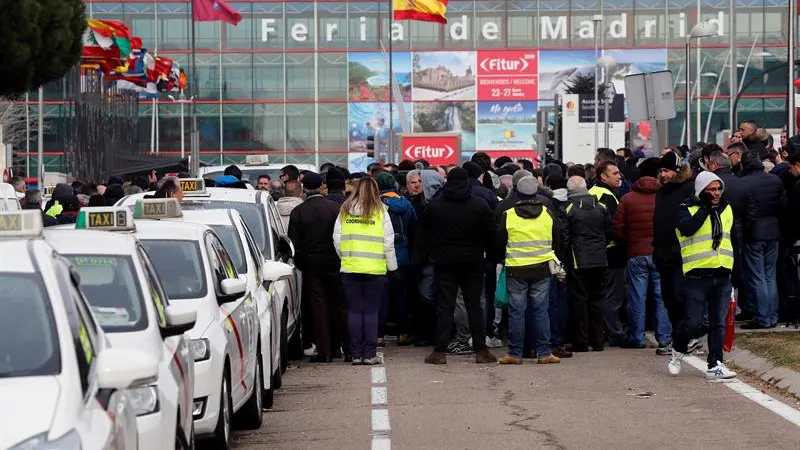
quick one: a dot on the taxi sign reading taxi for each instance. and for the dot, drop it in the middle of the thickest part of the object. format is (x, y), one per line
(20, 223)
(157, 208)
(191, 186)
(104, 218)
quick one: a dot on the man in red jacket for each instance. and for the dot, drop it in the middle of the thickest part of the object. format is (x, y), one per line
(633, 222)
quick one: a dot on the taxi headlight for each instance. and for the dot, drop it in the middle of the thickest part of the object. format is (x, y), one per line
(201, 351)
(144, 400)
(70, 441)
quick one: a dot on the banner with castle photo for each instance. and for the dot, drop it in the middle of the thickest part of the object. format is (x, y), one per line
(507, 127)
(443, 76)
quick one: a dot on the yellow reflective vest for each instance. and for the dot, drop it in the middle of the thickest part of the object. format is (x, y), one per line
(530, 241)
(599, 192)
(697, 251)
(362, 244)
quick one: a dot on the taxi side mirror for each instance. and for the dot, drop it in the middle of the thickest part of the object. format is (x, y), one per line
(179, 321)
(122, 369)
(276, 271)
(231, 289)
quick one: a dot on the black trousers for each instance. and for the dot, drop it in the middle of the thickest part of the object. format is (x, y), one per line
(449, 279)
(587, 290)
(327, 311)
(671, 279)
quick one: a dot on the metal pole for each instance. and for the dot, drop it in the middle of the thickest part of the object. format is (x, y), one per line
(183, 132)
(40, 126)
(608, 99)
(194, 166)
(153, 128)
(791, 122)
(734, 73)
(556, 134)
(714, 98)
(688, 93)
(27, 135)
(219, 71)
(698, 81)
(596, 92)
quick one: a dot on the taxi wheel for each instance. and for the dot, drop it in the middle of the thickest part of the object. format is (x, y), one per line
(250, 416)
(284, 340)
(222, 432)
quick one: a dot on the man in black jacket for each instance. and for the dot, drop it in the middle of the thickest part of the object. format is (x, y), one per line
(677, 186)
(761, 238)
(311, 230)
(589, 232)
(334, 182)
(459, 230)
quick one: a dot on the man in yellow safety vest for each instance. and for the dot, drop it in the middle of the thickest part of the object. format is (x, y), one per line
(705, 223)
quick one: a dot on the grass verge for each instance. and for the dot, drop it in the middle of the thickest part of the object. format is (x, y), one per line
(782, 349)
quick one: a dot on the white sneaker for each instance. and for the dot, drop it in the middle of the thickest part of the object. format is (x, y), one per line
(674, 365)
(694, 345)
(375, 360)
(719, 372)
(493, 342)
(311, 351)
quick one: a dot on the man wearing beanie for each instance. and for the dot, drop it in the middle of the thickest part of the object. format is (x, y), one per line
(311, 231)
(459, 230)
(404, 221)
(527, 237)
(476, 174)
(676, 186)
(705, 223)
(334, 181)
(589, 232)
(633, 225)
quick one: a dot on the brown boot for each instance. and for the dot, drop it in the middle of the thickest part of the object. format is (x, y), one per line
(561, 352)
(508, 359)
(436, 358)
(550, 359)
(484, 356)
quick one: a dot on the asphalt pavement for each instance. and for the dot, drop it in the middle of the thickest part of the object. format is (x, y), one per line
(616, 399)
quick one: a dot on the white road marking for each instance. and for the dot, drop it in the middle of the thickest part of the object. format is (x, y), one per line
(378, 375)
(380, 411)
(776, 406)
(379, 396)
(380, 420)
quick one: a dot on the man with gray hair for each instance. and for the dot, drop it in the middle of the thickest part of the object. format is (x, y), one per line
(590, 230)
(33, 200)
(276, 189)
(18, 183)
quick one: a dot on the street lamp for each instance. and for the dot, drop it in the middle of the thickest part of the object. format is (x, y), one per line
(607, 62)
(597, 19)
(182, 101)
(701, 30)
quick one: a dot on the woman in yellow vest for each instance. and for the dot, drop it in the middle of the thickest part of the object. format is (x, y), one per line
(364, 239)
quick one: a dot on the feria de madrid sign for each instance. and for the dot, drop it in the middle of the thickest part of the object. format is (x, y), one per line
(552, 28)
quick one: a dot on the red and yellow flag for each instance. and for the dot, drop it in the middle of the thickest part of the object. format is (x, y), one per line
(421, 10)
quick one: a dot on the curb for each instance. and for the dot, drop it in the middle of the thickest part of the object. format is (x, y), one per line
(768, 372)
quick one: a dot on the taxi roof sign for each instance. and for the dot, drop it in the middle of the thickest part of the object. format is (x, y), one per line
(192, 186)
(15, 224)
(157, 208)
(105, 218)
(256, 160)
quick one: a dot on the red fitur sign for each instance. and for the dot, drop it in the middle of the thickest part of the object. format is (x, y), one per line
(508, 75)
(436, 149)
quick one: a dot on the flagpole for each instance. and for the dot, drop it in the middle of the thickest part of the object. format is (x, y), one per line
(390, 149)
(194, 166)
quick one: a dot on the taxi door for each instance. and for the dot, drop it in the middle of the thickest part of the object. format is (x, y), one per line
(238, 322)
(290, 288)
(176, 356)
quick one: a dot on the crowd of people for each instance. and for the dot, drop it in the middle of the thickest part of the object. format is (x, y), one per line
(556, 260)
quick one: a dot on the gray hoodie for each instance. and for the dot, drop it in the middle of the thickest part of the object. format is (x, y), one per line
(285, 206)
(432, 181)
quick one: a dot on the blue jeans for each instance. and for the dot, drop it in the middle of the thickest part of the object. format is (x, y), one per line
(642, 274)
(704, 295)
(534, 296)
(760, 274)
(558, 311)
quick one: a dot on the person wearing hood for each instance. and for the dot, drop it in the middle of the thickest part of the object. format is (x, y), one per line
(364, 240)
(527, 237)
(404, 222)
(476, 175)
(334, 183)
(113, 194)
(761, 240)
(704, 227)
(633, 224)
(61, 193)
(293, 197)
(753, 137)
(432, 183)
(324, 314)
(70, 207)
(589, 233)
(676, 186)
(459, 230)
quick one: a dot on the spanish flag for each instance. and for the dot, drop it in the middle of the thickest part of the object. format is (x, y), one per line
(421, 10)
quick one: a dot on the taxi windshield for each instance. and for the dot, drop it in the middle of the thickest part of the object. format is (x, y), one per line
(110, 285)
(28, 340)
(230, 239)
(252, 214)
(180, 267)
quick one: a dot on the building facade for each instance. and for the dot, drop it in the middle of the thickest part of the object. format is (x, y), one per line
(307, 81)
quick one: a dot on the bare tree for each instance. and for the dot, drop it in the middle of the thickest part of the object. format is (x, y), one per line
(12, 121)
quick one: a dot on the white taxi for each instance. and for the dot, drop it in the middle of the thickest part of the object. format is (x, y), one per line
(198, 274)
(128, 300)
(261, 275)
(254, 167)
(258, 210)
(61, 384)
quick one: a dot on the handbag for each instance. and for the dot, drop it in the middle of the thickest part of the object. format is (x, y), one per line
(557, 269)
(730, 324)
(501, 291)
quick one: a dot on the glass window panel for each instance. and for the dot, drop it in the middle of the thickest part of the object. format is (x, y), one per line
(268, 126)
(333, 76)
(173, 26)
(269, 34)
(268, 76)
(363, 22)
(237, 76)
(241, 36)
(490, 30)
(299, 76)
(208, 76)
(426, 35)
(300, 126)
(332, 25)
(522, 23)
(207, 35)
(237, 126)
(300, 28)
(332, 127)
